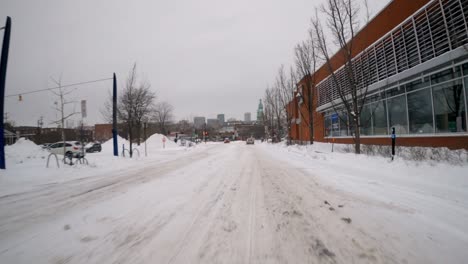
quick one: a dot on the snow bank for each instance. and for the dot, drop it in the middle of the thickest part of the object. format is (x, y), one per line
(413, 155)
(24, 150)
(108, 146)
(155, 141)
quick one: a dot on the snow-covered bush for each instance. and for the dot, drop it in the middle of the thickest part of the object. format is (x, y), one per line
(419, 154)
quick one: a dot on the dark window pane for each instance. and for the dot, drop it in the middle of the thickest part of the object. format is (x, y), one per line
(343, 124)
(397, 114)
(395, 91)
(418, 84)
(335, 122)
(449, 107)
(366, 121)
(328, 126)
(465, 69)
(379, 118)
(420, 112)
(445, 75)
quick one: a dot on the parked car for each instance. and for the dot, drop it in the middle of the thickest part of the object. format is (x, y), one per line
(72, 149)
(45, 145)
(93, 147)
(226, 140)
(250, 141)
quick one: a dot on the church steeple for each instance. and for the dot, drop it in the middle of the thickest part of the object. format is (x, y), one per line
(260, 112)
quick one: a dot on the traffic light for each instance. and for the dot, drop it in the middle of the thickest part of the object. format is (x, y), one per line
(20, 98)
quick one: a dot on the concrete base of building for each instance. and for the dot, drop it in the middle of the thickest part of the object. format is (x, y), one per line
(451, 142)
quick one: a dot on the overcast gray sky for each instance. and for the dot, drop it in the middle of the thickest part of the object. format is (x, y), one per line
(204, 57)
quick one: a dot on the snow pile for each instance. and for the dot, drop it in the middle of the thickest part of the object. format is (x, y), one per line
(24, 150)
(407, 154)
(155, 141)
(108, 146)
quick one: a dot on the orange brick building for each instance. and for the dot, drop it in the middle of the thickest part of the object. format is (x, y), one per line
(413, 58)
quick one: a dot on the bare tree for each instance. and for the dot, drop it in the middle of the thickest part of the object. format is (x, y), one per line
(163, 114)
(306, 60)
(142, 109)
(135, 105)
(342, 22)
(60, 106)
(106, 109)
(184, 126)
(273, 111)
(286, 87)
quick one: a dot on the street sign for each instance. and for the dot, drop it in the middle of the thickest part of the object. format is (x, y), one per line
(83, 108)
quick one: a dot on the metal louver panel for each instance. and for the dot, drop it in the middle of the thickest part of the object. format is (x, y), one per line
(436, 29)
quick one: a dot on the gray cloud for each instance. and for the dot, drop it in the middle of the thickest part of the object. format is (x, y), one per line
(205, 57)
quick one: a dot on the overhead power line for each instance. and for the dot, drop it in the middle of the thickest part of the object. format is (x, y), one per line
(63, 86)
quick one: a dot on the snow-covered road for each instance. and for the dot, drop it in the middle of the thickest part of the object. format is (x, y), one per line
(233, 203)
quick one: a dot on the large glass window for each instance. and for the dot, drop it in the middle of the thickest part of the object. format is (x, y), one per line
(328, 126)
(446, 75)
(366, 121)
(397, 114)
(395, 91)
(449, 107)
(343, 117)
(335, 125)
(418, 84)
(420, 112)
(379, 118)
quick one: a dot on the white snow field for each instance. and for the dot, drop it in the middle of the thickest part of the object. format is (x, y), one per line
(234, 203)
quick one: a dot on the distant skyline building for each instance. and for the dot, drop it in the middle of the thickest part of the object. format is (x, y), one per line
(199, 122)
(212, 123)
(260, 112)
(221, 119)
(247, 117)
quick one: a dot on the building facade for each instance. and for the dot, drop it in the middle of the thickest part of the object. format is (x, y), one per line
(221, 119)
(212, 123)
(247, 117)
(260, 112)
(199, 122)
(413, 60)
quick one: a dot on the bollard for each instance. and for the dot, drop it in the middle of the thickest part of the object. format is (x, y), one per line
(393, 142)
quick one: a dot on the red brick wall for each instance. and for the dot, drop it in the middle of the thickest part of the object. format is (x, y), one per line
(459, 142)
(102, 132)
(394, 14)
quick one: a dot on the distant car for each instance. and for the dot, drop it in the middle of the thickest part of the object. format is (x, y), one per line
(93, 147)
(45, 145)
(72, 149)
(226, 140)
(250, 141)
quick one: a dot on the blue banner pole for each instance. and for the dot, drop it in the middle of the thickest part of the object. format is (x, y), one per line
(3, 71)
(114, 117)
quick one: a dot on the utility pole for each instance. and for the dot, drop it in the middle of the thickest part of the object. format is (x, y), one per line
(3, 71)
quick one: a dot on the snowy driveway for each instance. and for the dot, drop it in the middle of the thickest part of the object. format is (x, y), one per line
(232, 203)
